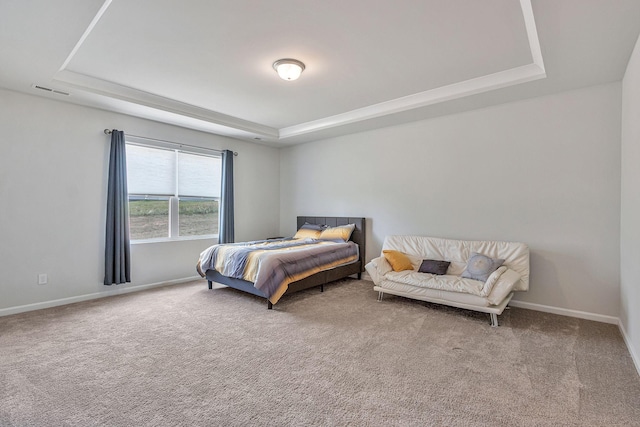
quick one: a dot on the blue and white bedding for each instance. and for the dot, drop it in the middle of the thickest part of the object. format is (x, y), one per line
(273, 264)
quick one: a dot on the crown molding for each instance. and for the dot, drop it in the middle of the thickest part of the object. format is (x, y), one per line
(474, 86)
(147, 99)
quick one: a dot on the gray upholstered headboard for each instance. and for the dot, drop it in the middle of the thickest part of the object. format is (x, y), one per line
(359, 232)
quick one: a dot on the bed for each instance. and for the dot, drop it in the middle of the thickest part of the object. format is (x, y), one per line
(354, 266)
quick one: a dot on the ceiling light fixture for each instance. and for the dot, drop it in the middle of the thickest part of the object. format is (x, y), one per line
(288, 69)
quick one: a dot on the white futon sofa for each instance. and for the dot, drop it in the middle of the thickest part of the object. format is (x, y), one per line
(490, 296)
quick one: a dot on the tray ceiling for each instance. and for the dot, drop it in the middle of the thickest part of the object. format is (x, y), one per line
(208, 64)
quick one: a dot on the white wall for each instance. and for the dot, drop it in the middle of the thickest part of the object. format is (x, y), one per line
(53, 178)
(630, 207)
(544, 171)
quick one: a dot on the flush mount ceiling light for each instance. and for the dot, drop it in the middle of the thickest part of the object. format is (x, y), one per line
(288, 69)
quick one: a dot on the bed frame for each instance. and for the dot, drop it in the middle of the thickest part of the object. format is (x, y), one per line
(319, 279)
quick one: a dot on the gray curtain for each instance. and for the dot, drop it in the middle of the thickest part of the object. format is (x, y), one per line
(117, 261)
(226, 233)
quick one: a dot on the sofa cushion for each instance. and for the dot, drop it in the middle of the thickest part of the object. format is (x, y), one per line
(398, 260)
(434, 267)
(445, 282)
(442, 296)
(480, 267)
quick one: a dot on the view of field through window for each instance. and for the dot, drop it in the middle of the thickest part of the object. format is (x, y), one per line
(149, 219)
(164, 183)
(197, 217)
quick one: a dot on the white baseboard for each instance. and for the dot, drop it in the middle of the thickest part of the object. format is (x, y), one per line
(634, 355)
(87, 297)
(566, 312)
(551, 309)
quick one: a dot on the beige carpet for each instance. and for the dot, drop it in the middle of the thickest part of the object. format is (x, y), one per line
(188, 356)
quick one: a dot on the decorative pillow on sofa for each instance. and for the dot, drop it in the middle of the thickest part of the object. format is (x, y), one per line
(434, 267)
(480, 267)
(341, 232)
(398, 260)
(309, 231)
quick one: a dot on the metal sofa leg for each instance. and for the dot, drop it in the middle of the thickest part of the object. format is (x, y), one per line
(380, 295)
(269, 305)
(494, 320)
(210, 284)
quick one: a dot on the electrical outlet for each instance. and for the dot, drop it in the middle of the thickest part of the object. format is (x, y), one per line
(42, 279)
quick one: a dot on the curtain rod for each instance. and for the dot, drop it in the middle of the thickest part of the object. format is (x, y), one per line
(235, 153)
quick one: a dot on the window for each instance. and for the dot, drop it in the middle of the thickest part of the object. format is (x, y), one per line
(172, 193)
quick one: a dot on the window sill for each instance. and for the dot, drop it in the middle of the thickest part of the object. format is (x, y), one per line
(174, 239)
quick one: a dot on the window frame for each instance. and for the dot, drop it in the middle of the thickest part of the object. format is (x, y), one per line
(173, 199)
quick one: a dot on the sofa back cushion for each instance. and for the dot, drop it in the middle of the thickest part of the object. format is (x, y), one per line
(458, 252)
